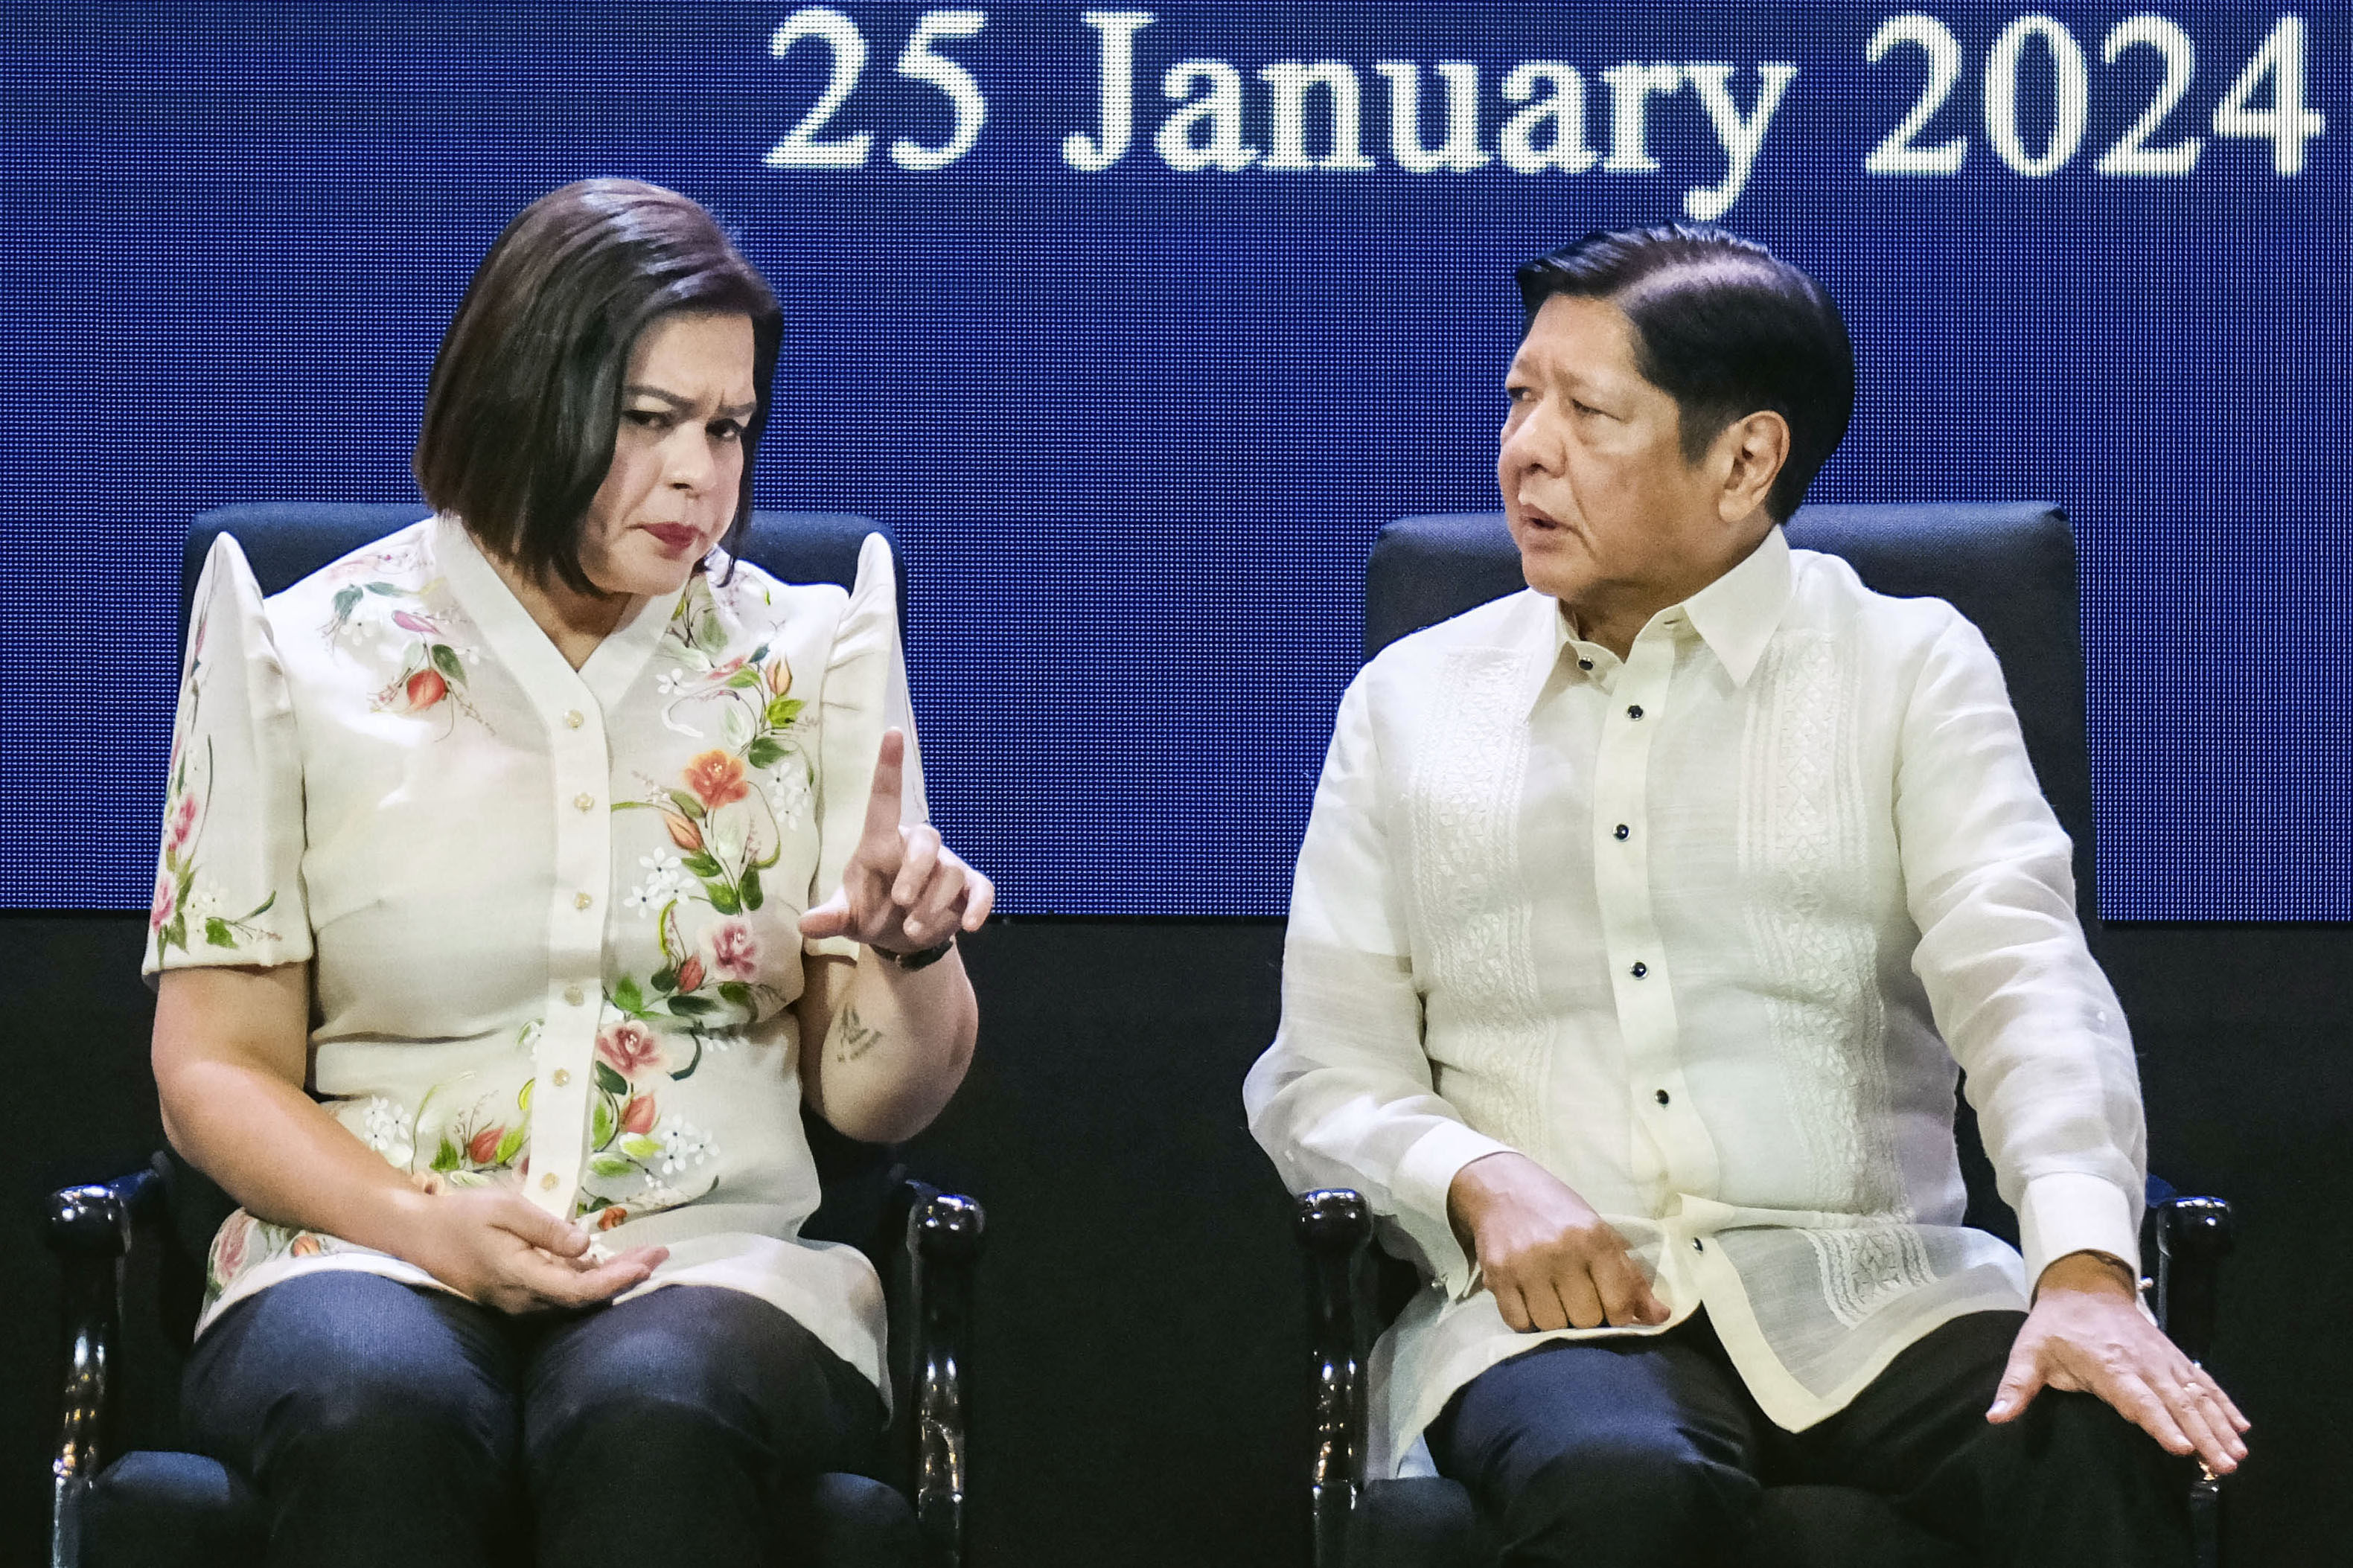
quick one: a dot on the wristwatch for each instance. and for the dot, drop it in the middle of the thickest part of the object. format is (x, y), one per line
(923, 958)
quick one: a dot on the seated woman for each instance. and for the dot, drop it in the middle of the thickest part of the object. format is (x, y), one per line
(523, 873)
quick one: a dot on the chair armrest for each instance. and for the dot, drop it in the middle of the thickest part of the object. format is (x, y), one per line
(1334, 1226)
(2193, 1236)
(90, 1228)
(944, 1237)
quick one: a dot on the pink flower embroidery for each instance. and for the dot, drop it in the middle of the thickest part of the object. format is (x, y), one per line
(780, 675)
(690, 974)
(716, 779)
(166, 901)
(682, 833)
(639, 1115)
(183, 822)
(418, 624)
(607, 1218)
(735, 950)
(484, 1148)
(228, 1247)
(306, 1246)
(630, 1046)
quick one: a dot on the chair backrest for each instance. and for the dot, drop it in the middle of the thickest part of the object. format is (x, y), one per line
(285, 542)
(2008, 568)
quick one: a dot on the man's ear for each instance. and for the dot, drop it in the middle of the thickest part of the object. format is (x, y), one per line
(1752, 451)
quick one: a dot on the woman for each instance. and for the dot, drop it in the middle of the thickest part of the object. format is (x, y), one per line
(522, 874)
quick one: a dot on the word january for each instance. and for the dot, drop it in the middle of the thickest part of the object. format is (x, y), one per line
(1545, 132)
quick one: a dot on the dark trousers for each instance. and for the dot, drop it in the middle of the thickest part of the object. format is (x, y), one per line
(384, 1425)
(1651, 1451)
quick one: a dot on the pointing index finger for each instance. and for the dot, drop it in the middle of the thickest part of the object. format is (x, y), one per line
(882, 803)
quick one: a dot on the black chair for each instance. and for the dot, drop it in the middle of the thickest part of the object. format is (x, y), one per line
(2012, 569)
(138, 1243)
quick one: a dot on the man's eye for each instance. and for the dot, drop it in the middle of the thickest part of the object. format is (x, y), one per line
(1516, 393)
(1583, 407)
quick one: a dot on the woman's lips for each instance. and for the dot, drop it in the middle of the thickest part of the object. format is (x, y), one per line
(674, 536)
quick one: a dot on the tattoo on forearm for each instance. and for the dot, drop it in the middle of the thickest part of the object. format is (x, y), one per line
(854, 1035)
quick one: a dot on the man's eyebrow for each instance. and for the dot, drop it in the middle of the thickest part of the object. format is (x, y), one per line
(732, 411)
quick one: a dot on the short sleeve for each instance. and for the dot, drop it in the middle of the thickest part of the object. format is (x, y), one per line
(228, 883)
(865, 693)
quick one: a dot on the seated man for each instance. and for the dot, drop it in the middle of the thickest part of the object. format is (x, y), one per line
(1639, 926)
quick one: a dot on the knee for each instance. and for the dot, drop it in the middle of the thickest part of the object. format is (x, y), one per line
(2076, 1440)
(1658, 1495)
(389, 1405)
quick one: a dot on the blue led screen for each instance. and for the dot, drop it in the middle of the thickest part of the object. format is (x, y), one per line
(1136, 324)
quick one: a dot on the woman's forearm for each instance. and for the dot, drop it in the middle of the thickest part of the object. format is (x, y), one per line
(896, 1046)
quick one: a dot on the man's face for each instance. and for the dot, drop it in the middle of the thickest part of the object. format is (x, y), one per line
(1599, 499)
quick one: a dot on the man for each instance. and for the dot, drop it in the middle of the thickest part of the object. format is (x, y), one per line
(1641, 922)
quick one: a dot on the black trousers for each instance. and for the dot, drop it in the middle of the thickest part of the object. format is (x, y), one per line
(386, 1424)
(1651, 1451)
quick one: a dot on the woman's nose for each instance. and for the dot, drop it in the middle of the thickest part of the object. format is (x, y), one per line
(690, 463)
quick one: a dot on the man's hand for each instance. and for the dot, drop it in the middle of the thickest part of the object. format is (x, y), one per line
(493, 1246)
(2086, 1333)
(1550, 1262)
(903, 891)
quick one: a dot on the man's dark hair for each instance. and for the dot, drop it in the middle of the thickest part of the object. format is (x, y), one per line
(1724, 327)
(526, 399)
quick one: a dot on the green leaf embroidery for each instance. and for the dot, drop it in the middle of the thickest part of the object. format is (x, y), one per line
(346, 601)
(627, 997)
(638, 1146)
(260, 909)
(758, 655)
(445, 659)
(687, 805)
(523, 1094)
(604, 1124)
(693, 1006)
(448, 1158)
(610, 1165)
(386, 589)
(764, 752)
(743, 679)
(610, 1081)
(700, 864)
(783, 711)
(735, 993)
(217, 932)
(509, 1146)
(688, 1070)
(753, 896)
(723, 898)
(665, 980)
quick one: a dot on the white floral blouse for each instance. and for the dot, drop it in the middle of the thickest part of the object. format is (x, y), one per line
(552, 915)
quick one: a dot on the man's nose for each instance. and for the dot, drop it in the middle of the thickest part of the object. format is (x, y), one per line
(1535, 443)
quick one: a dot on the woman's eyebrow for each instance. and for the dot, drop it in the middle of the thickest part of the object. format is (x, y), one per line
(732, 411)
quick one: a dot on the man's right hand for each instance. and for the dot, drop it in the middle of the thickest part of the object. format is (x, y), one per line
(1549, 1260)
(491, 1245)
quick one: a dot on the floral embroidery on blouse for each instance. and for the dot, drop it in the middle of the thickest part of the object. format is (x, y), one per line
(430, 667)
(180, 892)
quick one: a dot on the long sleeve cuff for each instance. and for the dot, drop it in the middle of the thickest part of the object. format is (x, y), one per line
(1423, 1179)
(2071, 1212)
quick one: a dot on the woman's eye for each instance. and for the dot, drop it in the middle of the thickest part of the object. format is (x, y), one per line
(727, 430)
(647, 418)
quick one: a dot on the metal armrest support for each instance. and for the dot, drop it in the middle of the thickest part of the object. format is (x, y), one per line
(89, 1229)
(1335, 1225)
(2193, 1236)
(944, 1237)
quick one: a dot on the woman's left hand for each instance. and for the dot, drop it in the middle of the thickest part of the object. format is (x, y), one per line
(903, 891)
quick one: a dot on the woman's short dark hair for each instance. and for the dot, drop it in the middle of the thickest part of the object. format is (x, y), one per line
(1724, 327)
(525, 400)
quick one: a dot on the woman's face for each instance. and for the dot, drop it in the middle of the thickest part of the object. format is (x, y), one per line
(677, 457)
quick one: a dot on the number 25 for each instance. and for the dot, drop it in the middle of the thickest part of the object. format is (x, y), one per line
(803, 147)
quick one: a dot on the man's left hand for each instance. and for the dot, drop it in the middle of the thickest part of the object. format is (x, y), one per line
(2086, 1333)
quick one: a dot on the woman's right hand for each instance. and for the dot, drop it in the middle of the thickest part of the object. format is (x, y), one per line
(493, 1246)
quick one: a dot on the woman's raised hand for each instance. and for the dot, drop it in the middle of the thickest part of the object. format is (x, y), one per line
(902, 891)
(491, 1245)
